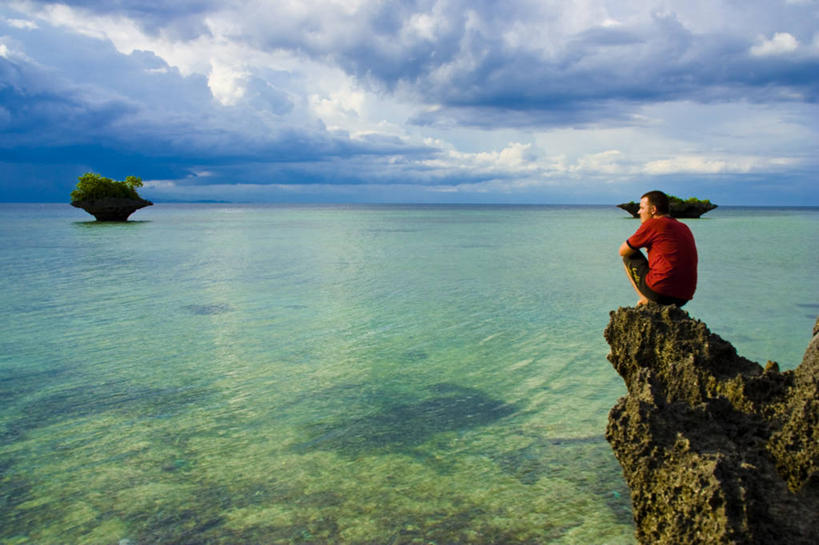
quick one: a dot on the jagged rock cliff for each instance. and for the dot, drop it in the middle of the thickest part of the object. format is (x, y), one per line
(715, 448)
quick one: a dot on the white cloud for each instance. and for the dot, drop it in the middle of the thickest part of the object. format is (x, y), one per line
(227, 83)
(65, 16)
(702, 164)
(780, 44)
(423, 26)
(515, 159)
(690, 164)
(22, 24)
(606, 162)
(13, 50)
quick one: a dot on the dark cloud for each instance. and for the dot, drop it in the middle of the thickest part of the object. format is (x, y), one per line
(458, 54)
(32, 103)
(90, 93)
(601, 71)
(180, 19)
(123, 114)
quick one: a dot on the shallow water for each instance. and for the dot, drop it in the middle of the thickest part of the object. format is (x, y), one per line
(336, 374)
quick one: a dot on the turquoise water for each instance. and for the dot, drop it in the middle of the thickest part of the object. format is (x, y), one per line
(230, 374)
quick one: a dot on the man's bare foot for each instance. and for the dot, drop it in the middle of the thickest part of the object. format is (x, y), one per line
(642, 301)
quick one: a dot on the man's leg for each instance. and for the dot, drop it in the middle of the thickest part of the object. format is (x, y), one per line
(636, 266)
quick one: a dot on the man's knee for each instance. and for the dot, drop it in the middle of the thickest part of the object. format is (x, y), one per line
(636, 259)
(636, 265)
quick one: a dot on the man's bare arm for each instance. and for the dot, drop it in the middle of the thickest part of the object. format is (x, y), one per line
(625, 249)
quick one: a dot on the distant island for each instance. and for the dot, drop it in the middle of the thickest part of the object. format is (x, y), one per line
(107, 199)
(689, 208)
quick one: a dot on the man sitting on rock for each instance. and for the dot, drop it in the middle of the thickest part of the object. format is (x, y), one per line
(669, 275)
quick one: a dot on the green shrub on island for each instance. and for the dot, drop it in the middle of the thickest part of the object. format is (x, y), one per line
(676, 201)
(693, 200)
(92, 186)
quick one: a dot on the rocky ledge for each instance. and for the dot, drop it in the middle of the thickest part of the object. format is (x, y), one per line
(111, 208)
(714, 448)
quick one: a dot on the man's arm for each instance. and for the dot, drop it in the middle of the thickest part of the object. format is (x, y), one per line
(625, 249)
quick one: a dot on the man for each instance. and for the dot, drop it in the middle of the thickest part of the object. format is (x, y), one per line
(669, 275)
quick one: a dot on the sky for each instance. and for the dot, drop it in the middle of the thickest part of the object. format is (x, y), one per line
(422, 101)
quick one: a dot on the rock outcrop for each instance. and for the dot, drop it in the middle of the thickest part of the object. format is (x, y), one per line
(676, 208)
(715, 448)
(111, 208)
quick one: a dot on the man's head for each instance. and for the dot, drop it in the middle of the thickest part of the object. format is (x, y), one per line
(653, 203)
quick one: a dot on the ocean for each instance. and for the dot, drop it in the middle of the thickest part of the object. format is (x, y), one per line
(306, 374)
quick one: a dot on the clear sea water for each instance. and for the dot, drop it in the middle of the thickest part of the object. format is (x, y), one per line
(225, 374)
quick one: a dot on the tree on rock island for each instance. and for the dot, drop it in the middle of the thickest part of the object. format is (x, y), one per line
(92, 186)
(107, 199)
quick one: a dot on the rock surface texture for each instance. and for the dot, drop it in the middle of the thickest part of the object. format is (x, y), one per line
(111, 208)
(715, 448)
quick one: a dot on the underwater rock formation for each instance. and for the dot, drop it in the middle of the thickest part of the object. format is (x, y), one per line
(677, 208)
(111, 208)
(714, 448)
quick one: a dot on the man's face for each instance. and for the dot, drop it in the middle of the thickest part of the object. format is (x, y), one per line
(646, 210)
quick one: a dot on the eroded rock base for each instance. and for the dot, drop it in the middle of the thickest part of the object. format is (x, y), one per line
(714, 448)
(112, 209)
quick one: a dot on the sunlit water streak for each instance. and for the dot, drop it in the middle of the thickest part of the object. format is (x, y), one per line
(329, 374)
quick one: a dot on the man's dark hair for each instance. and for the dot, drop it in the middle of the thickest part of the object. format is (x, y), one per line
(659, 200)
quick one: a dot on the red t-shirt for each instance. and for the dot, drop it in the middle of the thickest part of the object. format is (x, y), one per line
(672, 256)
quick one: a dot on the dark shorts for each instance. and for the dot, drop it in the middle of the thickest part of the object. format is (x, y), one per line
(637, 266)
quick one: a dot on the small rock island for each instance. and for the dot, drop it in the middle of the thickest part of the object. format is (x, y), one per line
(678, 208)
(107, 199)
(715, 449)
